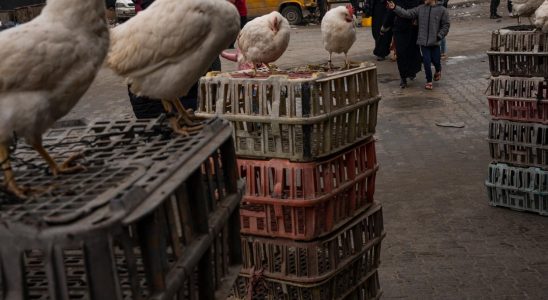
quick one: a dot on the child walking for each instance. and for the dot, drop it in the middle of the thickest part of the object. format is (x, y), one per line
(433, 22)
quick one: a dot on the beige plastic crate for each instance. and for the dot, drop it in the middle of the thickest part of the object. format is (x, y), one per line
(300, 116)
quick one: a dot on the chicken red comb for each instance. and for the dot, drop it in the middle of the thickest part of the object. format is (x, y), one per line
(350, 9)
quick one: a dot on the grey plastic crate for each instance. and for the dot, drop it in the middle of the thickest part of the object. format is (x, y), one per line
(300, 116)
(155, 216)
(523, 189)
(519, 38)
(524, 144)
(524, 64)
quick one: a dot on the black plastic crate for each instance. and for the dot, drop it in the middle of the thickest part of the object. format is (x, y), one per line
(154, 216)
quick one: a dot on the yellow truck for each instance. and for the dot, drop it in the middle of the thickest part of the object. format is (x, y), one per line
(292, 10)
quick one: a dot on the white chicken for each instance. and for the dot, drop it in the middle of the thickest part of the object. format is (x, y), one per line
(525, 8)
(165, 49)
(46, 67)
(264, 39)
(339, 31)
(541, 17)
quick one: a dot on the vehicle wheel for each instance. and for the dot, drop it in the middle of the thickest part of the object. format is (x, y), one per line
(293, 14)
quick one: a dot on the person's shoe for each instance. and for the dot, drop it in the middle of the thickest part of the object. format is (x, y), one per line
(429, 86)
(380, 58)
(494, 17)
(437, 76)
(403, 83)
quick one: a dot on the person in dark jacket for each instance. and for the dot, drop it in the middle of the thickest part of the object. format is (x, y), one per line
(376, 9)
(433, 21)
(405, 37)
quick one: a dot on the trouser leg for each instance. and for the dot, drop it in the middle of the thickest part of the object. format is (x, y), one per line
(436, 58)
(427, 62)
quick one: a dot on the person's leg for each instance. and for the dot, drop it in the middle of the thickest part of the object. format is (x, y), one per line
(509, 4)
(494, 6)
(443, 47)
(436, 58)
(401, 58)
(427, 62)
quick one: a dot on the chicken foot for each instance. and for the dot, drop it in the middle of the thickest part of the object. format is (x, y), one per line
(65, 167)
(9, 178)
(182, 121)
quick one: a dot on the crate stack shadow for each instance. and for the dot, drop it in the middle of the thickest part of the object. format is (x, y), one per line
(153, 216)
(518, 131)
(304, 140)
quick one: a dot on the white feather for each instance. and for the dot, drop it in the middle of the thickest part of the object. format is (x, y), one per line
(48, 64)
(259, 43)
(338, 34)
(165, 49)
(541, 17)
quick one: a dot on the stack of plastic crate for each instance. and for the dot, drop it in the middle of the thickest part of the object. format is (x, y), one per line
(304, 140)
(153, 216)
(518, 132)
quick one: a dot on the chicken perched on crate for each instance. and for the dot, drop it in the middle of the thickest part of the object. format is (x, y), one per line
(46, 67)
(525, 8)
(263, 40)
(339, 31)
(165, 49)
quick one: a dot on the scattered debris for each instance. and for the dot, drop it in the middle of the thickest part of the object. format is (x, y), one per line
(450, 124)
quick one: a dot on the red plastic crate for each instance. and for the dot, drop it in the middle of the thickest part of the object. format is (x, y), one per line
(317, 260)
(518, 99)
(303, 201)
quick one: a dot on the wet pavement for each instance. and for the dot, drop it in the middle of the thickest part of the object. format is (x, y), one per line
(443, 240)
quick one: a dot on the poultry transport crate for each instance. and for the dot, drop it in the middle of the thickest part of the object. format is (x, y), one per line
(519, 51)
(300, 116)
(524, 144)
(303, 201)
(318, 260)
(523, 189)
(358, 279)
(518, 99)
(154, 216)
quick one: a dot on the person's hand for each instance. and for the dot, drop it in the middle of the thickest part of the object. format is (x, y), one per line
(390, 5)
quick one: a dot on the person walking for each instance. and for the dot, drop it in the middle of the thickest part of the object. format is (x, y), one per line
(405, 31)
(377, 10)
(433, 22)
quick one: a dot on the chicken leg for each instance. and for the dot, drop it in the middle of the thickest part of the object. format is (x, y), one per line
(56, 169)
(181, 122)
(9, 178)
(346, 62)
(329, 65)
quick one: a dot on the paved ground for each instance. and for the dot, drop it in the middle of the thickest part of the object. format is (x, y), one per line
(444, 241)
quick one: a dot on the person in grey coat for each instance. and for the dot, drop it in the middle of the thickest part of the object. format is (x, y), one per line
(434, 25)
